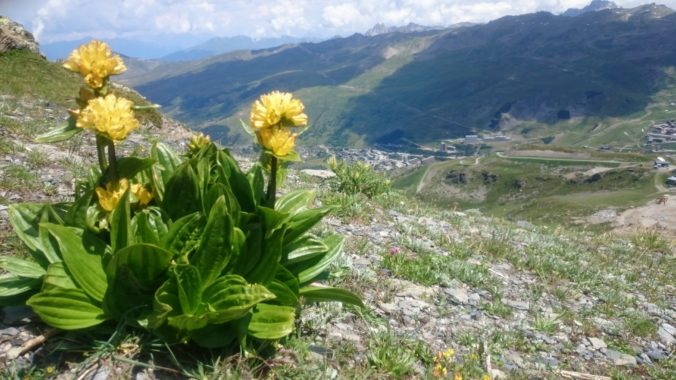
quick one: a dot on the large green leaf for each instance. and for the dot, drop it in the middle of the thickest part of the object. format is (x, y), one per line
(66, 309)
(268, 263)
(25, 218)
(284, 294)
(230, 297)
(189, 288)
(303, 221)
(295, 201)
(215, 249)
(272, 321)
(63, 132)
(182, 192)
(82, 252)
(327, 294)
(22, 268)
(304, 248)
(121, 234)
(257, 181)
(148, 226)
(129, 167)
(166, 159)
(215, 336)
(57, 278)
(166, 303)
(145, 262)
(15, 289)
(335, 244)
(134, 274)
(182, 232)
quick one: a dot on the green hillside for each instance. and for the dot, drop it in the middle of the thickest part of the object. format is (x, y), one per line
(549, 187)
(538, 75)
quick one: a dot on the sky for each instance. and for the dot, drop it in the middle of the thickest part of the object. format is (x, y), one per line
(64, 20)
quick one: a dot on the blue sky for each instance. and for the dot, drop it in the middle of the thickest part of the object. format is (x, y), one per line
(63, 20)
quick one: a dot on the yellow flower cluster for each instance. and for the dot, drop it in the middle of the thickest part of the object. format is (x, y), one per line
(110, 116)
(272, 118)
(198, 141)
(95, 62)
(113, 192)
(277, 109)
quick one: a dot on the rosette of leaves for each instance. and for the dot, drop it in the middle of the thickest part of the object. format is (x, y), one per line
(207, 261)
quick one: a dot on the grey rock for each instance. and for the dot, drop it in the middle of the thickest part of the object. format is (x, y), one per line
(597, 343)
(9, 331)
(656, 355)
(474, 299)
(514, 358)
(666, 333)
(13, 36)
(519, 305)
(457, 295)
(620, 359)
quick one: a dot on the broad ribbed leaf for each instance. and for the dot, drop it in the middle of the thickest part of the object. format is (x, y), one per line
(167, 160)
(189, 288)
(148, 227)
(215, 250)
(121, 234)
(257, 181)
(25, 218)
(22, 268)
(326, 294)
(303, 221)
(335, 244)
(145, 262)
(231, 297)
(181, 232)
(271, 254)
(61, 133)
(134, 274)
(129, 167)
(82, 253)
(272, 321)
(66, 309)
(305, 248)
(284, 294)
(182, 193)
(11, 286)
(295, 201)
(165, 303)
(57, 278)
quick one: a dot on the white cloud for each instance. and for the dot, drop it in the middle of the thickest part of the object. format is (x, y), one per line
(53, 20)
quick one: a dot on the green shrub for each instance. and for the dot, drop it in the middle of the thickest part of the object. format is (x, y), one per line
(358, 178)
(190, 248)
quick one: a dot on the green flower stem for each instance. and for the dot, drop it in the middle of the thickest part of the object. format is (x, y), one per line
(112, 160)
(272, 183)
(101, 152)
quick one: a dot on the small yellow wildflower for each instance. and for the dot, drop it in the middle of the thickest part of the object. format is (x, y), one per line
(439, 371)
(449, 353)
(110, 196)
(487, 377)
(110, 116)
(95, 62)
(142, 194)
(197, 141)
(280, 141)
(457, 376)
(277, 109)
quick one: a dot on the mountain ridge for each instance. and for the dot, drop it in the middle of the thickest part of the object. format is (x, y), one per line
(535, 68)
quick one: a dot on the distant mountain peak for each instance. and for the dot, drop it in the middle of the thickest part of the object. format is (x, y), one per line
(594, 6)
(410, 28)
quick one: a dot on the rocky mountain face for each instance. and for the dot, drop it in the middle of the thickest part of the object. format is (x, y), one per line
(410, 28)
(433, 84)
(14, 36)
(594, 6)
